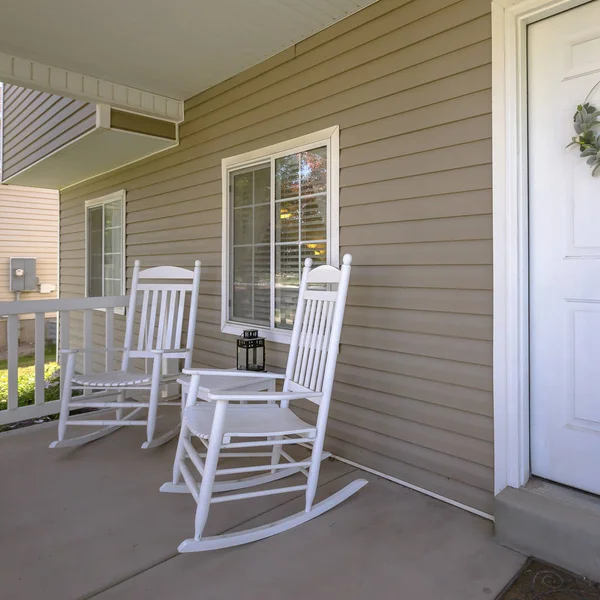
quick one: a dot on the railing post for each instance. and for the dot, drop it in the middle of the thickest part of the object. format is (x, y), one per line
(40, 357)
(87, 340)
(12, 334)
(65, 324)
(110, 338)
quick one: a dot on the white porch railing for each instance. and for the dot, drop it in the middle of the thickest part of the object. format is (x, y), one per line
(64, 308)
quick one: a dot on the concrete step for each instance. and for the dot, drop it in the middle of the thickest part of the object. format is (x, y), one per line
(551, 522)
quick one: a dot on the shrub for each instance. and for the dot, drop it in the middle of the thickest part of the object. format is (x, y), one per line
(26, 384)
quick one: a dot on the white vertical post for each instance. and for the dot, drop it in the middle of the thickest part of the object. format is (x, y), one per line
(87, 341)
(210, 464)
(130, 317)
(64, 337)
(332, 352)
(191, 332)
(40, 356)
(109, 336)
(13, 361)
(170, 366)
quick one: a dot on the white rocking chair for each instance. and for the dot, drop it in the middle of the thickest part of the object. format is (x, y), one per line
(162, 312)
(223, 427)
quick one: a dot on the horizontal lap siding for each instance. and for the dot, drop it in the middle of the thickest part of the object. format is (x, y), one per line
(408, 82)
(29, 227)
(37, 124)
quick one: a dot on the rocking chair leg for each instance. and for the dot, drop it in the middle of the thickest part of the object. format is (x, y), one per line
(210, 469)
(313, 473)
(184, 433)
(153, 408)
(177, 485)
(120, 398)
(66, 397)
(167, 436)
(276, 456)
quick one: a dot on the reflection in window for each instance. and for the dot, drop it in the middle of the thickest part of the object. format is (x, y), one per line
(251, 245)
(298, 207)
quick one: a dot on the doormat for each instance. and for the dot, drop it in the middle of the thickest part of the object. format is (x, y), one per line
(539, 580)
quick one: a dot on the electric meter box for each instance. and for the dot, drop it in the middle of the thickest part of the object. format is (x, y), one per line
(22, 275)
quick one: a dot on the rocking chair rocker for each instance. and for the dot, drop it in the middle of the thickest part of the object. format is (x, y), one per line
(161, 333)
(228, 423)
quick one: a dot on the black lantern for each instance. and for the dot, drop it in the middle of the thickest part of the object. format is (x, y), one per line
(250, 351)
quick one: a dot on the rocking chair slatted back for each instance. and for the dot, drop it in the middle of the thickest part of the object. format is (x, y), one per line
(161, 320)
(317, 328)
(162, 311)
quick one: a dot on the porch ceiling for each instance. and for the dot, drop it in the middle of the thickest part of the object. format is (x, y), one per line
(176, 48)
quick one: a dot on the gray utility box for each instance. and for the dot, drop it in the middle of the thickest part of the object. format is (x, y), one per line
(22, 275)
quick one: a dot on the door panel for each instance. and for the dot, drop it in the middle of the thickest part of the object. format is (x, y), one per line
(582, 369)
(583, 222)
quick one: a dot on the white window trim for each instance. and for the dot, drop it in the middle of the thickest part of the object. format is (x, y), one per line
(329, 137)
(510, 19)
(120, 195)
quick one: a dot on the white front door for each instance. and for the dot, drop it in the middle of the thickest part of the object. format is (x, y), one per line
(564, 229)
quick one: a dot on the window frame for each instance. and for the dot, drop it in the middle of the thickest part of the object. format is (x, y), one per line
(326, 137)
(93, 203)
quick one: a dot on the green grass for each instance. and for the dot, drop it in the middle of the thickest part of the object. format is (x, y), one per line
(26, 383)
(29, 360)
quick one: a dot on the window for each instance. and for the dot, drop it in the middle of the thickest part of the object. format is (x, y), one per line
(105, 245)
(280, 206)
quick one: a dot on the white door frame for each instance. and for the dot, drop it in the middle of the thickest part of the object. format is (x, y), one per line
(511, 233)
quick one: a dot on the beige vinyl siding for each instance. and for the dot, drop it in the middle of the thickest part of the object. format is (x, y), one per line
(37, 123)
(29, 227)
(408, 83)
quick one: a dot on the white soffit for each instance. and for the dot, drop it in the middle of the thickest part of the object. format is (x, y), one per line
(172, 50)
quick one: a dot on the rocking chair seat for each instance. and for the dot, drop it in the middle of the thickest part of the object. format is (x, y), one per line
(247, 421)
(116, 379)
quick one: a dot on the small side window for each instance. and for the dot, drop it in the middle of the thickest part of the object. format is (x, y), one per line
(105, 245)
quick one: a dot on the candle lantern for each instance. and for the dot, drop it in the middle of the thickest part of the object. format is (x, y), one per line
(250, 351)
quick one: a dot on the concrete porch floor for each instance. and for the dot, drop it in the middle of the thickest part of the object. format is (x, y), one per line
(91, 523)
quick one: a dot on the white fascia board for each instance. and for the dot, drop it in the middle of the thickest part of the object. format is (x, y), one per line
(35, 75)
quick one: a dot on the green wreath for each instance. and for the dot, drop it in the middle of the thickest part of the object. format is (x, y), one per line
(585, 120)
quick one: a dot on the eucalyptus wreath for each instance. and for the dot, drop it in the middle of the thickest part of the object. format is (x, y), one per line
(585, 120)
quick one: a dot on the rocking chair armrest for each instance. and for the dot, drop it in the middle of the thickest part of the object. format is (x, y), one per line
(226, 373)
(173, 353)
(265, 396)
(89, 350)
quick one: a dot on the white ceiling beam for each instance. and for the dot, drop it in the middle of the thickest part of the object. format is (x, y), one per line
(32, 74)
